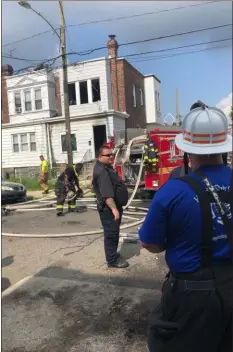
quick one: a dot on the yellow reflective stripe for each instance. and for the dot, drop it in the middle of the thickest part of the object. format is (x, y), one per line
(72, 206)
(59, 206)
(75, 171)
(152, 149)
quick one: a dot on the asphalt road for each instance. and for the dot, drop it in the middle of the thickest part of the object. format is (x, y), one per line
(73, 303)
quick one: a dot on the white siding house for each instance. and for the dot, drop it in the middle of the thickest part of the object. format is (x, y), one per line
(89, 87)
(153, 99)
(31, 96)
(34, 128)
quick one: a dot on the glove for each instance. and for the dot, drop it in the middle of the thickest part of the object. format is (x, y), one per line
(70, 194)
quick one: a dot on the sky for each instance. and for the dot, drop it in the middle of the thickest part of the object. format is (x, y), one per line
(204, 75)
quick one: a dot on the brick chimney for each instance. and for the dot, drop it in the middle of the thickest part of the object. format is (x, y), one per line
(7, 70)
(112, 46)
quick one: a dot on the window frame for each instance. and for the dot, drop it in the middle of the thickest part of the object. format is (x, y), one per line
(38, 100)
(19, 142)
(18, 107)
(12, 138)
(92, 97)
(134, 96)
(141, 97)
(88, 98)
(26, 102)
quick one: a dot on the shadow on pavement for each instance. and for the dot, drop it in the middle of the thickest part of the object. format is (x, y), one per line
(66, 310)
(5, 281)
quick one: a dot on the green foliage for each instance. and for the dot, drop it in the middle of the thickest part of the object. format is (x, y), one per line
(31, 183)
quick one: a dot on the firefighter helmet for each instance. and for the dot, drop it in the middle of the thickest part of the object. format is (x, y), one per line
(204, 132)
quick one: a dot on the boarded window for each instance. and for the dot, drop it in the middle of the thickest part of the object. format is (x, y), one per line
(38, 99)
(72, 94)
(83, 92)
(73, 143)
(95, 84)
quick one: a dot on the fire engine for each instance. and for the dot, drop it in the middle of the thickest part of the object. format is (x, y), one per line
(134, 163)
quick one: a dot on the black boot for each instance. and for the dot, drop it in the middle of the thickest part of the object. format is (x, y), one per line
(119, 263)
(60, 213)
(71, 210)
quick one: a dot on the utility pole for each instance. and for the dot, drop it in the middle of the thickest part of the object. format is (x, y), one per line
(65, 86)
(177, 109)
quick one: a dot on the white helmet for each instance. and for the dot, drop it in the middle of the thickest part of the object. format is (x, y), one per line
(204, 132)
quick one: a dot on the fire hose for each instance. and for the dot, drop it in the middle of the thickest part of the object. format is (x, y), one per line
(48, 203)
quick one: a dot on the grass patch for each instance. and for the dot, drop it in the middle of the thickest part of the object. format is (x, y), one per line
(30, 183)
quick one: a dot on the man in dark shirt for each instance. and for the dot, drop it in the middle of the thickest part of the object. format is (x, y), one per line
(105, 182)
(66, 185)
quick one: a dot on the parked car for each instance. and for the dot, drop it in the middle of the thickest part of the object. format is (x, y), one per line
(12, 191)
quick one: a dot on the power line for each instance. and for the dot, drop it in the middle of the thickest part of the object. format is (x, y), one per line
(175, 35)
(113, 19)
(90, 51)
(178, 47)
(178, 54)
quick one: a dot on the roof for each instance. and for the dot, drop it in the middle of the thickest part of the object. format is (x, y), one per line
(152, 75)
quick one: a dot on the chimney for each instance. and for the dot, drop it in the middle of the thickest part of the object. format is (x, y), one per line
(7, 70)
(112, 46)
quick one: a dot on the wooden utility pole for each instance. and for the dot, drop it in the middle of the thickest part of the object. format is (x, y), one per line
(65, 86)
(177, 109)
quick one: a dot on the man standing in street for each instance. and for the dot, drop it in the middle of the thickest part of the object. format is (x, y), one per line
(111, 196)
(190, 218)
(44, 176)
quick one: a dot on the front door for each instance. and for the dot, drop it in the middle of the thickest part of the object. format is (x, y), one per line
(100, 137)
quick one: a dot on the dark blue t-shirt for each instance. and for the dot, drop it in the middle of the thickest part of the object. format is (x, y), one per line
(174, 220)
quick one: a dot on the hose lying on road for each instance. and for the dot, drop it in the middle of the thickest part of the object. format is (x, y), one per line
(137, 211)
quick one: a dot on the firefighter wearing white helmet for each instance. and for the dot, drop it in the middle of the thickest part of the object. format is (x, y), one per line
(190, 218)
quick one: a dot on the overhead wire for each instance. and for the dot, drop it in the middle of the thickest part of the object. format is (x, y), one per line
(113, 19)
(86, 52)
(179, 54)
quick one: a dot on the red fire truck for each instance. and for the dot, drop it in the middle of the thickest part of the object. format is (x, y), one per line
(168, 157)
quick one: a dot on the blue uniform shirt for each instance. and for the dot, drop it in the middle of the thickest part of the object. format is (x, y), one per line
(174, 220)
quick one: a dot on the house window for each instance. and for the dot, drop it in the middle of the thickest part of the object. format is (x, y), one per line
(38, 99)
(134, 96)
(141, 96)
(72, 93)
(32, 137)
(95, 84)
(157, 99)
(28, 101)
(24, 142)
(73, 143)
(15, 141)
(18, 104)
(83, 92)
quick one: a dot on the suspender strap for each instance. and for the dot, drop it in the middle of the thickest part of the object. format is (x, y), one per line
(228, 223)
(207, 221)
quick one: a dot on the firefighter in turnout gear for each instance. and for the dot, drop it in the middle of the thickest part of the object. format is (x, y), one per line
(150, 157)
(66, 187)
